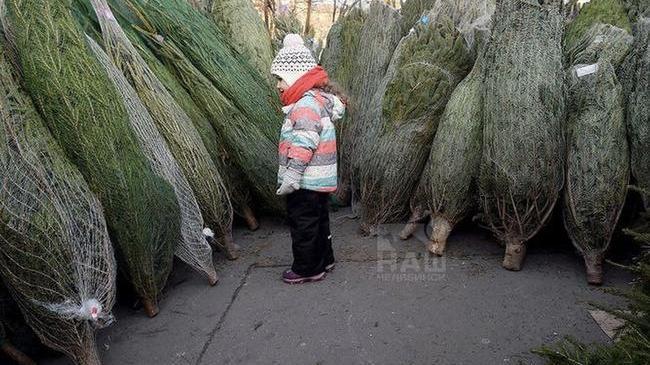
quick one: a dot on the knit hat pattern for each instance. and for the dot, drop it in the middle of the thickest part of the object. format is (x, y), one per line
(293, 60)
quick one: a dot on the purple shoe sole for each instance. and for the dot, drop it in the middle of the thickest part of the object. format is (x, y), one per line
(303, 279)
(330, 267)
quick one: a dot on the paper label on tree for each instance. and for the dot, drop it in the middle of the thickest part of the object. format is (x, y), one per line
(586, 70)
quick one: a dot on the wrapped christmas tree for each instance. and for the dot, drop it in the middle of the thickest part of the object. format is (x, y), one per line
(252, 41)
(192, 247)
(55, 254)
(87, 117)
(425, 69)
(636, 83)
(522, 169)
(241, 107)
(448, 185)
(175, 126)
(380, 35)
(339, 58)
(597, 170)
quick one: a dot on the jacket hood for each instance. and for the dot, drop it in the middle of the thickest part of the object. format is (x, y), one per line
(333, 105)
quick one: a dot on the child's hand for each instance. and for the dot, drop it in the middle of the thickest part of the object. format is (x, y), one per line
(287, 188)
(290, 182)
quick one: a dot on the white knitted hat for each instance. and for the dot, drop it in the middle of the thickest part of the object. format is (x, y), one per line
(293, 60)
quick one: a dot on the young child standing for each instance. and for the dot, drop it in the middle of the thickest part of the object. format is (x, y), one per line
(307, 151)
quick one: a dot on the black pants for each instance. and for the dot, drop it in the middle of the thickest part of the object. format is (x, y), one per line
(309, 222)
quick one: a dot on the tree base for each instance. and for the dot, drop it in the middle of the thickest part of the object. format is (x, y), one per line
(594, 268)
(249, 218)
(343, 197)
(213, 278)
(16, 355)
(514, 257)
(226, 245)
(150, 308)
(343, 193)
(408, 231)
(439, 235)
(89, 354)
(416, 217)
(365, 229)
(229, 248)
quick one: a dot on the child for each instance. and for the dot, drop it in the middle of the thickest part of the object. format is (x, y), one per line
(307, 152)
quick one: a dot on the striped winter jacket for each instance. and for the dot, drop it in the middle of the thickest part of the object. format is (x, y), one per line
(308, 140)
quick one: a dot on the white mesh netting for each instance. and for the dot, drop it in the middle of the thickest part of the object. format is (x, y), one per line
(55, 254)
(193, 248)
(183, 140)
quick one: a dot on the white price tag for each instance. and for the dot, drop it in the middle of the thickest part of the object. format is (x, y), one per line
(586, 70)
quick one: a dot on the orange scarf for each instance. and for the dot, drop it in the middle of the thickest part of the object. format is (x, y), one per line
(316, 77)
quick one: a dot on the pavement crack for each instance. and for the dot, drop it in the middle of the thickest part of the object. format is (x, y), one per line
(222, 319)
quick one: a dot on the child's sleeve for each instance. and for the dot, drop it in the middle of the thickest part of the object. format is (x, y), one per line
(305, 138)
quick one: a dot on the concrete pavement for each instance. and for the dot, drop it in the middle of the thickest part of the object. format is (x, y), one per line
(387, 302)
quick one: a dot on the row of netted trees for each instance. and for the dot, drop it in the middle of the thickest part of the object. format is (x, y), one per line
(131, 131)
(506, 111)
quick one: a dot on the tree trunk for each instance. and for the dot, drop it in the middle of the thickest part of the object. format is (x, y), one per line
(441, 228)
(89, 354)
(594, 266)
(308, 20)
(515, 254)
(414, 221)
(334, 13)
(16, 355)
(150, 307)
(249, 217)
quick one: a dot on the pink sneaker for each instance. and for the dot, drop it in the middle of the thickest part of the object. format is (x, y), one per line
(291, 277)
(330, 267)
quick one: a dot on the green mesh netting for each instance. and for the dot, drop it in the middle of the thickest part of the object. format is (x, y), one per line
(472, 19)
(343, 42)
(246, 31)
(339, 58)
(425, 69)
(184, 142)
(595, 11)
(411, 12)
(523, 105)
(636, 82)
(331, 56)
(601, 41)
(240, 105)
(56, 257)
(205, 45)
(448, 185)
(637, 9)
(233, 178)
(380, 34)
(85, 114)
(597, 162)
(253, 152)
